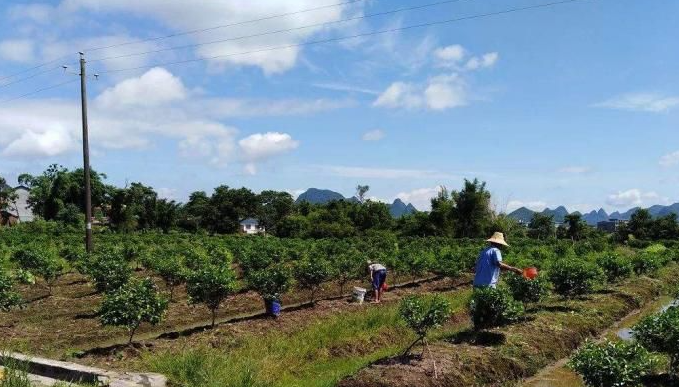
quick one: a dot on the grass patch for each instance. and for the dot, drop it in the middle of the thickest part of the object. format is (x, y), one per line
(319, 355)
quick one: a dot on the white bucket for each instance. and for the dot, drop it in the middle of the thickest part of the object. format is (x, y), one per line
(359, 295)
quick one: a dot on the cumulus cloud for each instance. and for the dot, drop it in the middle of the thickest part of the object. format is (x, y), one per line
(38, 13)
(374, 135)
(484, 61)
(670, 159)
(180, 15)
(17, 50)
(420, 198)
(438, 93)
(457, 57)
(452, 54)
(42, 143)
(631, 197)
(261, 146)
(641, 102)
(155, 87)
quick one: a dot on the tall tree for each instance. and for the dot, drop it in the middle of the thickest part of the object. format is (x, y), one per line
(541, 226)
(576, 227)
(640, 224)
(228, 207)
(7, 194)
(472, 213)
(273, 207)
(361, 190)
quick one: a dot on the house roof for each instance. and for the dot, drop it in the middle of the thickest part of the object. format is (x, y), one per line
(249, 221)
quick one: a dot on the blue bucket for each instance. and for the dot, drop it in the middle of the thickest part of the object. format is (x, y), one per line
(273, 307)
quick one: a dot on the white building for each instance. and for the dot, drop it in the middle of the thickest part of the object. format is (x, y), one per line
(18, 210)
(251, 226)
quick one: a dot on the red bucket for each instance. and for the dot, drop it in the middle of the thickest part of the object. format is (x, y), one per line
(530, 273)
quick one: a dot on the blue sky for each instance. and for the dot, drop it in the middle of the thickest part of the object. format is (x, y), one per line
(574, 104)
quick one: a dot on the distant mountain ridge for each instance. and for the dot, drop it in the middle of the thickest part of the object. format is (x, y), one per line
(323, 196)
(524, 214)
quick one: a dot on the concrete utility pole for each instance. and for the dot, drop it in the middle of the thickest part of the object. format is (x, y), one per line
(86, 156)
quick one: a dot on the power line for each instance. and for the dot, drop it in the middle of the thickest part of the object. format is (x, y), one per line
(34, 67)
(40, 90)
(341, 38)
(29, 77)
(390, 12)
(225, 25)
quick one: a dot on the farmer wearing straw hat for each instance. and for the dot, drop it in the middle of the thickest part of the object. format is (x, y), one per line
(489, 263)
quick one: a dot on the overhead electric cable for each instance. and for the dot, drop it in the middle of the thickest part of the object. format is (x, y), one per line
(342, 38)
(390, 12)
(40, 90)
(29, 77)
(225, 25)
(35, 67)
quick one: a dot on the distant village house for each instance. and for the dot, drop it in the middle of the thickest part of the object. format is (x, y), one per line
(251, 226)
(611, 225)
(18, 210)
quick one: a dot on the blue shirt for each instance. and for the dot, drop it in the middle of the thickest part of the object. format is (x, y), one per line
(488, 267)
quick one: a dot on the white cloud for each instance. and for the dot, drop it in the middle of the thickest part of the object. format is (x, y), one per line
(420, 198)
(261, 146)
(381, 173)
(485, 61)
(155, 87)
(42, 143)
(180, 15)
(439, 93)
(536, 205)
(343, 87)
(452, 54)
(670, 160)
(631, 197)
(641, 102)
(575, 169)
(17, 50)
(167, 193)
(38, 13)
(374, 135)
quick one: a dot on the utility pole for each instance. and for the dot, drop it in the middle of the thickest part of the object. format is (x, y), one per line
(86, 156)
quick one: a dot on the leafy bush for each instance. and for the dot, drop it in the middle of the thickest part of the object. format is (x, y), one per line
(109, 271)
(448, 263)
(526, 290)
(271, 282)
(646, 262)
(42, 261)
(172, 271)
(660, 333)
(311, 273)
(573, 277)
(422, 314)
(490, 307)
(8, 297)
(615, 266)
(612, 364)
(135, 302)
(211, 285)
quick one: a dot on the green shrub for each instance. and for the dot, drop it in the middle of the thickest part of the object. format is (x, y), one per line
(646, 262)
(615, 266)
(108, 270)
(135, 302)
(526, 290)
(311, 273)
(660, 333)
(9, 298)
(42, 261)
(422, 314)
(211, 285)
(612, 364)
(271, 282)
(172, 271)
(573, 277)
(491, 307)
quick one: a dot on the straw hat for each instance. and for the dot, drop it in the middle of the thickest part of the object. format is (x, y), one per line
(498, 238)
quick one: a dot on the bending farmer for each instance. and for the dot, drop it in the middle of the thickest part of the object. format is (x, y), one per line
(378, 276)
(489, 263)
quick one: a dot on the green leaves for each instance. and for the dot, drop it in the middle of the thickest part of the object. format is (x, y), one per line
(8, 297)
(132, 304)
(271, 282)
(526, 290)
(660, 333)
(210, 285)
(612, 364)
(491, 307)
(573, 277)
(422, 314)
(109, 270)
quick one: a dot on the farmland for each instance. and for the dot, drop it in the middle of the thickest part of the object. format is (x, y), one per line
(320, 339)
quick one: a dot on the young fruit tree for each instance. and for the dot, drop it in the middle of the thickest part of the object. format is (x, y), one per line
(270, 282)
(172, 271)
(311, 273)
(527, 290)
(8, 297)
(422, 314)
(42, 261)
(660, 333)
(211, 285)
(573, 277)
(132, 304)
(108, 270)
(612, 364)
(490, 307)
